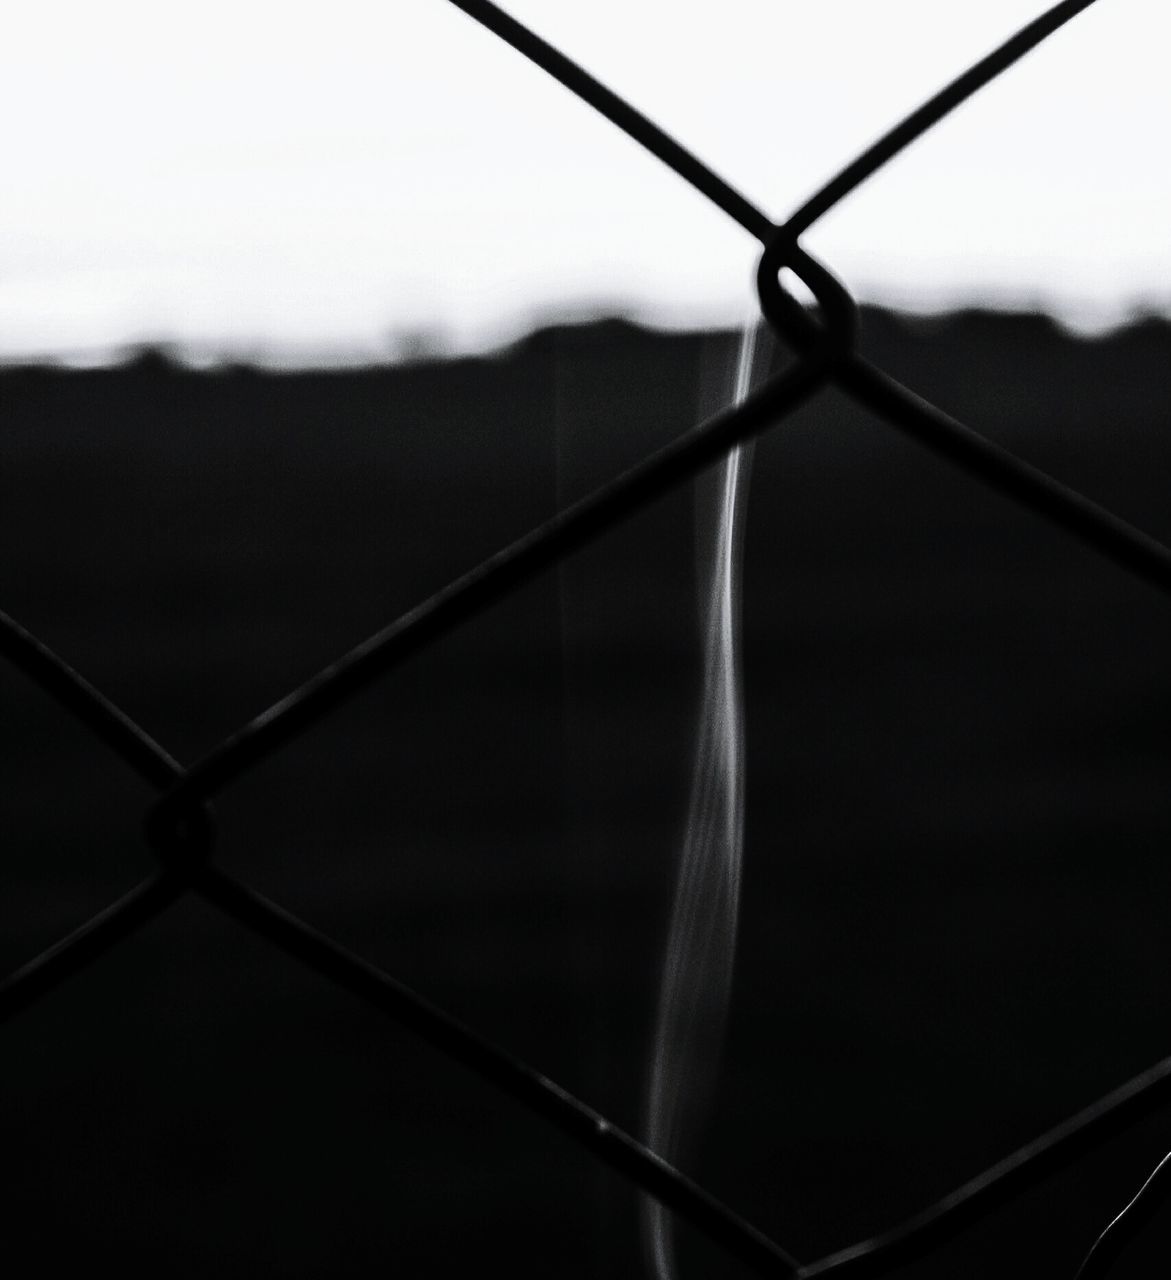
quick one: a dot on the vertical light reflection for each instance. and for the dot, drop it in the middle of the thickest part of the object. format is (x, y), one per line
(695, 987)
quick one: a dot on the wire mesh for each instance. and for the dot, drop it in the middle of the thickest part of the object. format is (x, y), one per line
(179, 825)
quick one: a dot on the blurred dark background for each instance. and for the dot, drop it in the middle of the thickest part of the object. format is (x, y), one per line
(957, 877)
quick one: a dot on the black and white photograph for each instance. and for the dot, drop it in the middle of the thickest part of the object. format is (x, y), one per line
(585, 603)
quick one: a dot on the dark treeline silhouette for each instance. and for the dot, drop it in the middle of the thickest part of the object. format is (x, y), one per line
(957, 869)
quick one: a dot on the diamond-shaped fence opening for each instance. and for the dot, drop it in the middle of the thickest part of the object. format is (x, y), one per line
(824, 359)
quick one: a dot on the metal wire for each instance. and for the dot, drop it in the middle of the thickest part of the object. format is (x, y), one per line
(87, 943)
(92, 708)
(1110, 1244)
(942, 1221)
(509, 1074)
(932, 112)
(484, 585)
(179, 824)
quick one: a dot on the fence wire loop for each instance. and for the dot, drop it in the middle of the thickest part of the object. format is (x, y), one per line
(180, 827)
(181, 841)
(832, 336)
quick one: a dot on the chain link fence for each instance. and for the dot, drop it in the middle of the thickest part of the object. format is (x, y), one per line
(181, 827)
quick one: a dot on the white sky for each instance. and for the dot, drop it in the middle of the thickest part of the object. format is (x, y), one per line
(255, 175)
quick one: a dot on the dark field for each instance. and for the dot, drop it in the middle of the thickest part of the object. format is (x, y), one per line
(957, 883)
